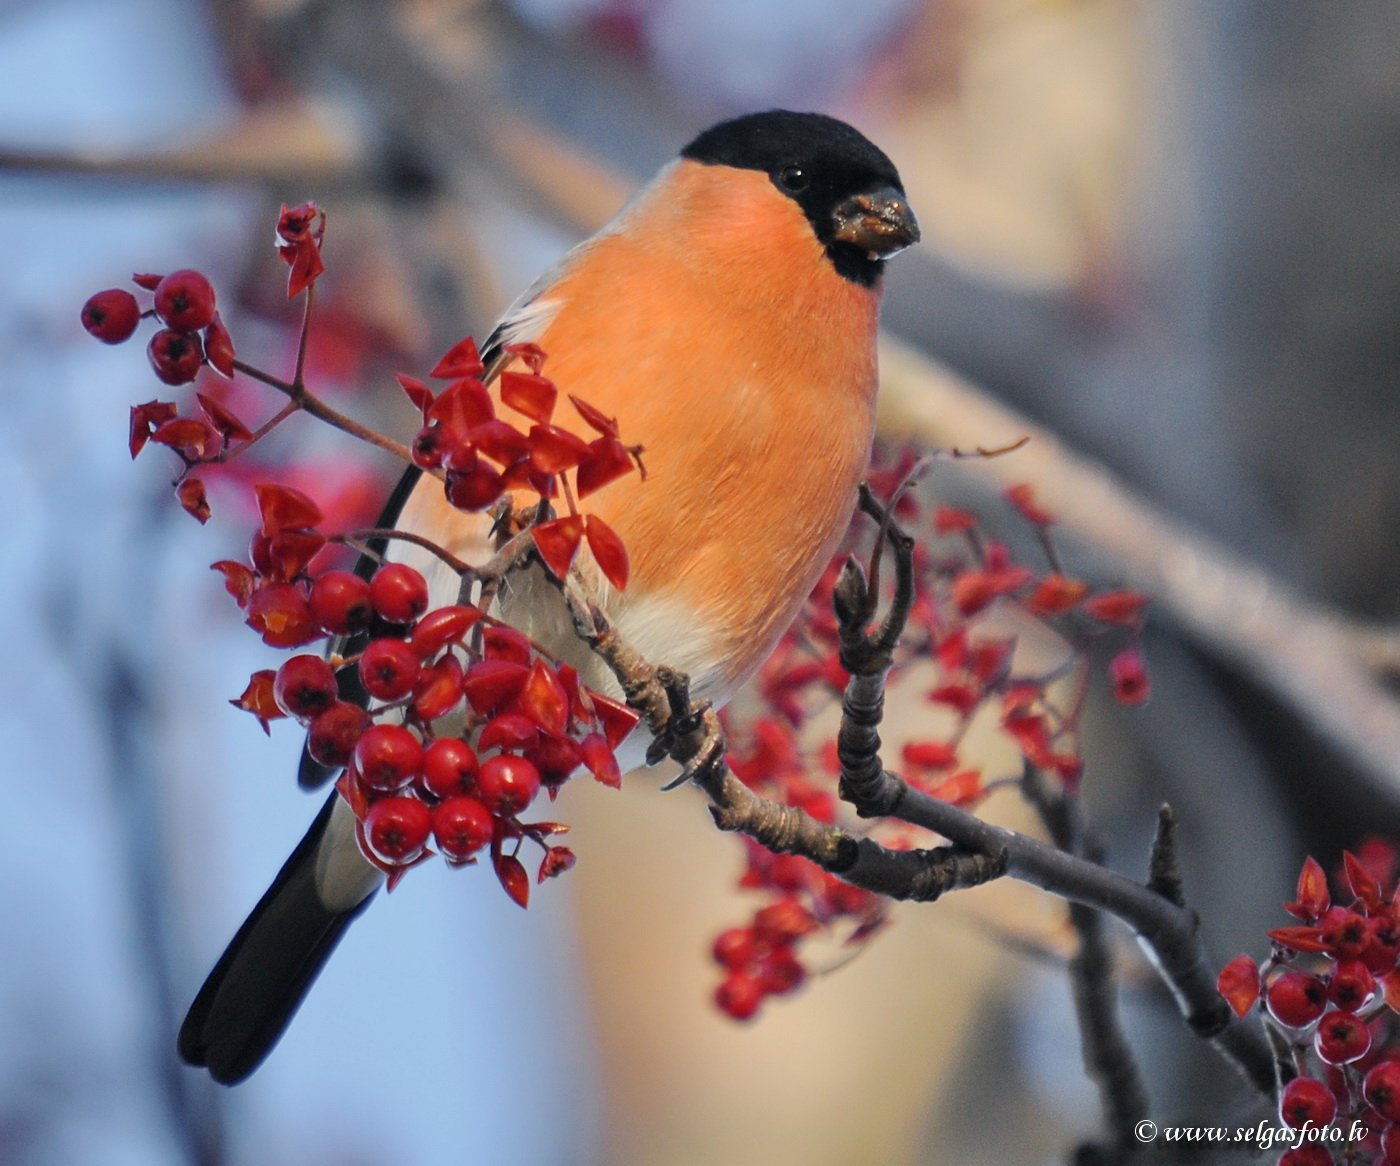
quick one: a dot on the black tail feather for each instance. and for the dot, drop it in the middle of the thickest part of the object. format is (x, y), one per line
(259, 982)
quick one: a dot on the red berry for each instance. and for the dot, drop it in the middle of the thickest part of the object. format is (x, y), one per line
(1304, 1100)
(474, 489)
(1381, 1088)
(333, 734)
(388, 757)
(1390, 1142)
(399, 593)
(1351, 986)
(780, 971)
(305, 687)
(462, 826)
(176, 356)
(739, 995)
(1296, 999)
(449, 768)
(340, 603)
(1344, 932)
(507, 784)
(389, 669)
(1382, 950)
(111, 315)
(735, 948)
(783, 921)
(397, 829)
(279, 613)
(1342, 1037)
(185, 300)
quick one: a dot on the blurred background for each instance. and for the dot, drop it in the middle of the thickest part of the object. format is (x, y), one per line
(1164, 233)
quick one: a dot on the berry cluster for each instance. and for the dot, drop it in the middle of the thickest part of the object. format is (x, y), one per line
(1330, 989)
(963, 580)
(467, 719)
(446, 722)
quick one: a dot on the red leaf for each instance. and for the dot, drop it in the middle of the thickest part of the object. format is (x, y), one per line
(500, 642)
(608, 551)
(239, 580)
(1239, 984)
(1391, 981)
(147, 281)
(1116, 607)
(554, 450)
(596, 420)
(290, 551)
(283, 508)
(557, 543)
(930, 754)
(531, 354)
(499, 440)
(1299, 938)
(307, 267)
(442, 626)
(146, 418)
(544, 700)
(1313, 896)
(962, 697)
(1360, 881)
(988, 660)
(295, 223)
(1129, 677)
(461, 406)
(509, 730)
(962, 789)
(511, 871)
(599, 760)
(218, 347)
(606, 461)
(439, 689)
(950, 520)
(191, 495)
(257, 699)
(529, 393)
(229, 426)
(1055, 595)
(1023, 498)
(615, 718)
(490, 684)
(461, 360)
(417, 391)
(557, 860)
(191, 436)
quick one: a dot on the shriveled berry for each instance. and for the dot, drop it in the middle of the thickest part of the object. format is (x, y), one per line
(1342, 1037)
(735, 948)
(507, 784)
(449, 768)
(185, 300)
(1296, 999)
(388, 757)
(1381, 1088)
(397, 829)
(389, 669)
(1304, 1100)
(399, 593)
(462, 826)
(333, 734)
(111, 315)
(176, 356)
(739, 995)
(340, 603)
(305, 687)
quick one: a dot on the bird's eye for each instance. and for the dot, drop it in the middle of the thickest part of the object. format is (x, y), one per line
(793, 179)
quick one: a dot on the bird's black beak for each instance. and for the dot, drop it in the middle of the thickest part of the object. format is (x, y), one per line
(879, 222)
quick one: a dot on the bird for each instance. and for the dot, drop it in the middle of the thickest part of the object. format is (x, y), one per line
(728, 317)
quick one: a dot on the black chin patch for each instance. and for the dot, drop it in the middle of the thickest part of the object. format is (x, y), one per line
(815, 160)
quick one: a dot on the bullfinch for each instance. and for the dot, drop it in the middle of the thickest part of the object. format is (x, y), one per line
(727, 317)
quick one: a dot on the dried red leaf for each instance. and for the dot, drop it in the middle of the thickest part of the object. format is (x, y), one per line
(615, 718)
(963, 788)
(223, 419)
(594, 418)
(531, 394)
(499, 440)
(439, 689)
(557, 542)
(191, 494)
(606, 461)
(557, 859)
(989, 660)
(1022, 497)
(283, 508)
(951, 520)
(513, 731)
(296, 223)
(1116, 607)
(490, 684)
(307, 267)
(1313, 896)
(147, 418)
(239, 580)
(218, 347)
(1055, 595)
(461, 406)
(511, 873)
(599, 760)
(554, 450)
(532, 354)
(417, 391)
(257, 699)
(608, 551)
(194, 438)
(930, 754)
(1300, 938)
(1360, 881)
(289, 552)
(461, 360)
(442, 626)
(961, 697)
(543, 699)
(146, 280)
(1239, 983)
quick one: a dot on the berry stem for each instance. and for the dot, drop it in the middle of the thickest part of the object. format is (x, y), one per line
(357, 539)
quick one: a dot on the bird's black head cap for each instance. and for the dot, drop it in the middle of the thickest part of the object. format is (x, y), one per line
(821, 164)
